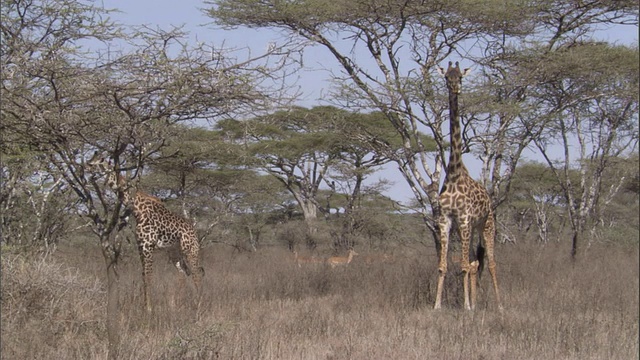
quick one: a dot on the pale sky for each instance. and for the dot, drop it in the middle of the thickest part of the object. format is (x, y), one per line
(313, 80)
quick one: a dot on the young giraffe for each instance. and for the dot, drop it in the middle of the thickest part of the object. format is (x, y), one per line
(156, 227)
(464, 201)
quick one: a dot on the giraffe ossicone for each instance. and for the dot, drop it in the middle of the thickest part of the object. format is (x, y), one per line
(466, 202)
(156, 228)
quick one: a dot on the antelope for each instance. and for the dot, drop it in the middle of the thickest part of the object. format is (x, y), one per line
(378, 258)
(306, 259)
(339, 260)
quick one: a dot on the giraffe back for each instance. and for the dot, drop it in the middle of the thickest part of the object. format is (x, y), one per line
(157, 223)
(465, 198)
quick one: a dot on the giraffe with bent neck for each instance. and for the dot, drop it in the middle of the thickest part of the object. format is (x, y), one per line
(156, 228)
(466, 202)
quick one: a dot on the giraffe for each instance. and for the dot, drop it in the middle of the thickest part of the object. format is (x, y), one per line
(466, 202)
(156, 227)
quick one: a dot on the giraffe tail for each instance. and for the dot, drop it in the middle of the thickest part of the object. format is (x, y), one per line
(480, 258)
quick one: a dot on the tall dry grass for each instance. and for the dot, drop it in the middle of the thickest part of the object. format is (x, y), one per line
(263, 306)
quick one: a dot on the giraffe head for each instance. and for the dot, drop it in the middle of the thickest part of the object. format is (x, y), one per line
(454, 76)
(98, 164)
(101, 165)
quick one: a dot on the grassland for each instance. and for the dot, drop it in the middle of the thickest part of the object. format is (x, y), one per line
(263, 306)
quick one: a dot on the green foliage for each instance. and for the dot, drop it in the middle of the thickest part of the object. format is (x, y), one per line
(306, 12)
(535, 178)
(301, 132)
(303, 147)
(320, 13)
(591, 67)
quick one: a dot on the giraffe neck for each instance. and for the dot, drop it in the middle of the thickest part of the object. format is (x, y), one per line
(455, 167)
(118, 183)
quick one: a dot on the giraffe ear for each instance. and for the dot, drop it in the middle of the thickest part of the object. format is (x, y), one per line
(441, 71)
(466, 72)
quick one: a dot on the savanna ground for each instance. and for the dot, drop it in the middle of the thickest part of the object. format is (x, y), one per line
(263, 306)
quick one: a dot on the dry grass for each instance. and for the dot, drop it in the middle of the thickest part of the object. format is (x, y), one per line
(263, 306)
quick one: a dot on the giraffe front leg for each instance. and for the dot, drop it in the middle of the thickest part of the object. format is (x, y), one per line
(146, 283)
(465, 238)
(445, 226)
(191, 251)
(146, 257)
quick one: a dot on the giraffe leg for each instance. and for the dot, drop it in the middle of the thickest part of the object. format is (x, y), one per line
(473, 274)
(146, 257)
(489, 240)
(465, 238)
(445, 226)
(191, 251)
(197, 271)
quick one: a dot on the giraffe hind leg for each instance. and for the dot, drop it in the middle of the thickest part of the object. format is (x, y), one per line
(489, 240)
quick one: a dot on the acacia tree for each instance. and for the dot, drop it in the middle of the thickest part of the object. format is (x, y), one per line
(386, 53)
(258, 201)
(536, 200)
(184, 167)
(34, 204)
(592, 117)
(293, 146)
(382, 30)
(367, 141)
(619, 195)
(65, 102)
(201, 172)
(305, 148)
(502, 114)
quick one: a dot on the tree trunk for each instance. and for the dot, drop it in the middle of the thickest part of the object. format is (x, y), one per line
(574, 244)
(310, 212)
(577, 226)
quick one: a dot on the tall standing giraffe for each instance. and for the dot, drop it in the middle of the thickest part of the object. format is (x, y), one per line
(156, 227)
(464, 201)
